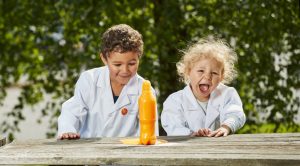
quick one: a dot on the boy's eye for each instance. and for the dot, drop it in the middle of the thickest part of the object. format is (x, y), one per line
(215, 73)
(200, 71)
(132, 64)
(117, 65)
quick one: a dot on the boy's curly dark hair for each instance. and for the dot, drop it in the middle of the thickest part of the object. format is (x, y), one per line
(121, 38)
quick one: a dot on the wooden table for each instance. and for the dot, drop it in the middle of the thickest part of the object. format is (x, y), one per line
(239, 149)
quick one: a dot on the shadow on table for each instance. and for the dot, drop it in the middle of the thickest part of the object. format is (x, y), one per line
(74, 141)
(176, 139)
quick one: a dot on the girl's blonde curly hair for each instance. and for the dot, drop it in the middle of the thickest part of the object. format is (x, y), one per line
(208, 48)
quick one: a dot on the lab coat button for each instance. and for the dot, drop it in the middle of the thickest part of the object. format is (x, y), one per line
(124, 111)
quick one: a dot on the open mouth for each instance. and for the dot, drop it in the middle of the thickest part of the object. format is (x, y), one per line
(204, 88)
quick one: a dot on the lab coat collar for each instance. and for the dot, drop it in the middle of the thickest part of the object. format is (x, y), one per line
(212, 106)
(103, 79)
(130, 89)
(132, 84)
(190, 99)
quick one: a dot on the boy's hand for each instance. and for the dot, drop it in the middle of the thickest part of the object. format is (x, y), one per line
(222, 131)
(69, 136)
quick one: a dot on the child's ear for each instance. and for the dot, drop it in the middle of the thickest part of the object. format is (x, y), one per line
(103, 59)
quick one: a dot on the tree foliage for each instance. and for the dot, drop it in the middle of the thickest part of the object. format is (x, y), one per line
(48, 43)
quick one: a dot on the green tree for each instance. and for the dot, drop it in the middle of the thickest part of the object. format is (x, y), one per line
(50, 42)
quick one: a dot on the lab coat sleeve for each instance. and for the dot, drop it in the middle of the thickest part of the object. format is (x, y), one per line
(157, 115)
(234, 116)
(172, 117)
(74, 110)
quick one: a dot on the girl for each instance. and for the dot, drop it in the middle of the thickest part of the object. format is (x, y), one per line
(105, 102)
(205, 107)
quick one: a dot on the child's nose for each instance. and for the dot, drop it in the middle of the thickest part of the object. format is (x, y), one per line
(208, 76)
(125, 68)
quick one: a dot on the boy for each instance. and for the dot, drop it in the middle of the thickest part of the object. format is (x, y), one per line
(105, 102)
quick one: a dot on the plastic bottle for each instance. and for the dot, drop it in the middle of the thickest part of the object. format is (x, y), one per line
(147, 113)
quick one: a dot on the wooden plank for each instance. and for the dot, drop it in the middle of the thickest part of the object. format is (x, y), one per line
(244, 149)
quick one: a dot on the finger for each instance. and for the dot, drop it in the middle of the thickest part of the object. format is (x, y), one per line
(204, 132)
(213, 133)
(72, 136)
(66, 136)
(75, 136)
(207, 132)
(220, 133)
(63, 136)
(201, 132)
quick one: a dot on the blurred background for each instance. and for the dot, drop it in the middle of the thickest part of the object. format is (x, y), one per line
(46, 44)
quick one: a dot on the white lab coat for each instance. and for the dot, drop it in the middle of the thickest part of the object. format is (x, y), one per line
(183, 115)
(92, 111)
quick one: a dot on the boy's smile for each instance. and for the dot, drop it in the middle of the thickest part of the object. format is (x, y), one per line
(205, 75)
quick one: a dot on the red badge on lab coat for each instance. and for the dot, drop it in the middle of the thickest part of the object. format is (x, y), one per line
(124, 111)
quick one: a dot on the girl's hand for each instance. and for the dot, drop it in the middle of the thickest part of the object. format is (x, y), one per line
(222, 131)
(201, 133)
(69, 136)
(204, 132)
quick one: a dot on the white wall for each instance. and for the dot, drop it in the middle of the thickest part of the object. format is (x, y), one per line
(29, 127)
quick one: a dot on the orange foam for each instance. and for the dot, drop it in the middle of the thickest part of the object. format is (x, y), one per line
(136, 141)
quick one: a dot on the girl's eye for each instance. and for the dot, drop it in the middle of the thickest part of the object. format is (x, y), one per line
(118, 65)
(200, 71)
(215, 73)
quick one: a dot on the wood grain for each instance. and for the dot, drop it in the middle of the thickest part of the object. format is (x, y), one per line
(239, 149)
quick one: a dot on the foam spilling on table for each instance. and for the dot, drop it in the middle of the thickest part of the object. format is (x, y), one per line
(136, 141)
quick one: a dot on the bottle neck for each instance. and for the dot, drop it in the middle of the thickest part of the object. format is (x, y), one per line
(146, 92)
